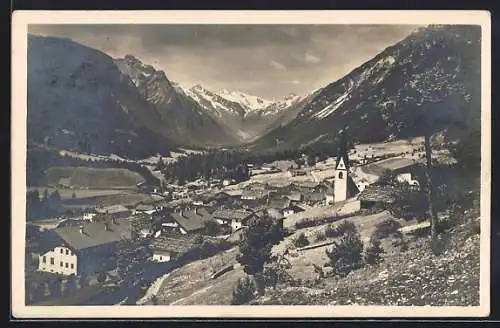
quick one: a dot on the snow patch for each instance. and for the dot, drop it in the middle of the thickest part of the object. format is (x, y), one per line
(332, 107)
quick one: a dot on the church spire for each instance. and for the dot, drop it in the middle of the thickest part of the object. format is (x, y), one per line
(342, 152)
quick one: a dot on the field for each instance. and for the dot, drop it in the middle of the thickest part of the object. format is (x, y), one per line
(318, 213)
(378, 168)
(86, 177)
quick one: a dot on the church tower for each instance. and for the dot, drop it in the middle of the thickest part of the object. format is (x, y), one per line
(341, 172)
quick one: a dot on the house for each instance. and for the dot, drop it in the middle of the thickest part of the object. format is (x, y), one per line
(254, 194)
(82, 249)
(279, 203)
(361, 185)
(186, 221)
(296, 172)
(407, 178)
(313, 197)
(171, 247)
(374, 195)
(145, 208)
(116, 211)
(236, 193)
(227, 182)
(291, 209)
(89, 215)
(295, 196)
(64, 182)
(235, 218)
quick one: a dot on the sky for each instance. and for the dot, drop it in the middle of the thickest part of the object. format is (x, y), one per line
(269, 61)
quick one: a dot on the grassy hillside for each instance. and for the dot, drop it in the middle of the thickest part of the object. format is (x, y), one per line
(414, 277)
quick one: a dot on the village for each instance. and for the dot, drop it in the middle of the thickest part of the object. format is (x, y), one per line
(78, 255)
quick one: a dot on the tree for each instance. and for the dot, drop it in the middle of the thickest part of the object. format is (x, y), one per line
(131, 258)
(301, 240)
(387, 178)
(243, 292)
(311, 160)
(256, 245)
(212, 228)
(346, 255)
(374, 251)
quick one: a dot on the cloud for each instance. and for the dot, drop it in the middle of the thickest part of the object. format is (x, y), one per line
(310, 58)
(278, 66)
(259, 59)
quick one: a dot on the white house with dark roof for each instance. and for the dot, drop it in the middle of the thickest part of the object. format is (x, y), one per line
(80, 249)
(234, 218)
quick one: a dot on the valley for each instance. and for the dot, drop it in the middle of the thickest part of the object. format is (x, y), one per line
(170, 184)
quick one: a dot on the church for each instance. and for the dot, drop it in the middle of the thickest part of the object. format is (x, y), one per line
(344, 186)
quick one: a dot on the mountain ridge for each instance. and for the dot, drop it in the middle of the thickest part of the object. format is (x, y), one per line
(435, 68)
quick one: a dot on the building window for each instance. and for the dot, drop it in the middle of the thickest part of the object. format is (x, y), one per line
(52, 260)
(67, 252)
(62, 251)
(160, 258)
(66, 265)
(72, 266)
(61, 264)
(341, 175)
(44, 259)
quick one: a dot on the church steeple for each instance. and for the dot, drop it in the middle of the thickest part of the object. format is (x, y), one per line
(342, 157)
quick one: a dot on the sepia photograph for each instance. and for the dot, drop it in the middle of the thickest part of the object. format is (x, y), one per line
(168, 162)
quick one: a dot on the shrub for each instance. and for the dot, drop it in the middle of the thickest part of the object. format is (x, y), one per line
(101, 277)
(373, 254)
(330, 231)
(243, 292)
(439, 245)
(301, 240)
(305, 223)
(212, 228)
(347, 254)
(386, 228)
(320, 236)
(346, 227)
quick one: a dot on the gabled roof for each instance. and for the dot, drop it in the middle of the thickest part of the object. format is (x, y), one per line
(144, 207)
(192, 221)
(278, 203)
(225, 214)
(174, 243)
(95, 234)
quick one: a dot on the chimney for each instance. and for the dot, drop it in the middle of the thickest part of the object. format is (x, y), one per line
(81, 229)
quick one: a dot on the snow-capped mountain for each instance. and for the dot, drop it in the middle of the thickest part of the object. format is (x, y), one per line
(433, 73)
(245, 115)
(202, 116)
(184, 119)
(251, 103)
